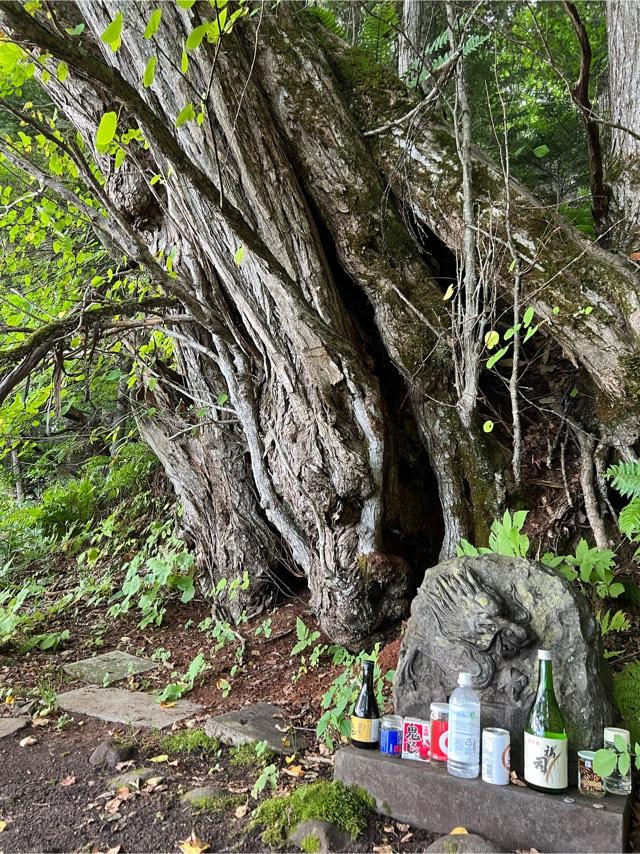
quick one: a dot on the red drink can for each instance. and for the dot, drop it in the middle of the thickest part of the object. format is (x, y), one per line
(439, 714)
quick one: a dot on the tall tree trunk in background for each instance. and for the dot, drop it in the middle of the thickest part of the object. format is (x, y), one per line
(311, 417)
(16, 470)
(418, 19)
(623, 34)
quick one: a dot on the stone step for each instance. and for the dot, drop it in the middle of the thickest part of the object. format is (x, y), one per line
(125, 707)
(515, 817)
(257, 722)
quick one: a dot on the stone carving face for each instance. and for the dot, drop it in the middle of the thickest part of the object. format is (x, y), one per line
(479, 631)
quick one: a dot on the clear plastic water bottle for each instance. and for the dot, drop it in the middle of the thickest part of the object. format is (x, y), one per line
(464, 730)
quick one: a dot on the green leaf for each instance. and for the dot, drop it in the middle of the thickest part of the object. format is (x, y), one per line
(184, 62)
(488, 426)
(496, 357)
(77, 30)
(194, 40)
(556, 309)
(238, 256)
(113, 33)
(620, 743)
(106, 130)
(491, 339)
(541, 150)
(153, 24)
(604, 762)
(624, 763)
(186, 114)
(528, 317)
(150, 72)
(616, 589)
(531, 331)
(186, 4)
(62, 71)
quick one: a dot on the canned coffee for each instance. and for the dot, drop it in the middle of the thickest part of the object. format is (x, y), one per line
(495, 756)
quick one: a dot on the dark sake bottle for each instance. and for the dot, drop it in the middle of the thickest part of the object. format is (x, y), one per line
(365, 718)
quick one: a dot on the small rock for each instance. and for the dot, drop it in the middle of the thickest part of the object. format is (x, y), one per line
(110, 753)
(193, 796)
(463, 843)
(329, 836)
(133, 778)
(24, 709)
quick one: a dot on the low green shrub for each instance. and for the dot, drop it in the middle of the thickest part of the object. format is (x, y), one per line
(67, 506)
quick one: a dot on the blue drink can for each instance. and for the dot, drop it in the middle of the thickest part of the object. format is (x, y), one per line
(391, 735)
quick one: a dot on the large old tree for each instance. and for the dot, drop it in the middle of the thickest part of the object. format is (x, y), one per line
(335, 258)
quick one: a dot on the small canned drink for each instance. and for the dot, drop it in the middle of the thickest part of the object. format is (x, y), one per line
(439, 716)
(391, 735)
(496, 745)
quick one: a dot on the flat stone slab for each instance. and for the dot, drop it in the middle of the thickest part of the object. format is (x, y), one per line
(513, 817)
(10, 725)
(258, 722)
(108, 668)
(125, 707)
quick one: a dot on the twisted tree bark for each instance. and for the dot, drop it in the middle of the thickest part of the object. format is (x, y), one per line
(330, 338)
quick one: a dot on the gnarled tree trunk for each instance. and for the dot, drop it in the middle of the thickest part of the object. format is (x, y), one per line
(331, 338)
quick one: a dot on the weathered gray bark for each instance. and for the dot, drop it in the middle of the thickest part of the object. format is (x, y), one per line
(623, 34)
(305, 473)
(418, 19)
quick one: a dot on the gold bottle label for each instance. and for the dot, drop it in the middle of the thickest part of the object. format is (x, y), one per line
(545, 761)
(365, 729)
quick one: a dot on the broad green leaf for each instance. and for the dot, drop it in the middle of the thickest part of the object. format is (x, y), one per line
(153, 24)
(150, 72)
(492, 339)
(194, 39)
(541, 150)
(624, 763)
(62, 71)
(106, 130)
(186, 114)
(616, 589)
(186, 4)
(620, 743)
(496, 357)
(184, 62)
(77, 30)
(531, 331)
(488, 426)
(239, 255)
(113, 33)
(604, 762)
(528, 317)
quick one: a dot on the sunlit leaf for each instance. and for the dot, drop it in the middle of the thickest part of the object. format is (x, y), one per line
(106, 130)
(153, 23)
(186, 114)
(150, 72)
(113, 33)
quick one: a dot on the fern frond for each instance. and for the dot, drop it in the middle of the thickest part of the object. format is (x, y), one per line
(626, 693)
(379, 30)
(327, 19)
(629, 519)
(617, 622)
(625, 477)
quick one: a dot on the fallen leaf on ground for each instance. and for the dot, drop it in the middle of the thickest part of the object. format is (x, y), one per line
(113, 850)
(402, 827)
(174, 763)
(458, 831)
(162, 758)
(382, 849)
(40, 721)
(294, 771)
(3, 824)
(289, 759)
(28, 741)
(407, 837)
(112, 806)
(192, 845)
(389, 829)
(165, 705)
(241, 811)
(68, 781)
(237, 790)
(122, 765)
(10, 700)
(153, 782)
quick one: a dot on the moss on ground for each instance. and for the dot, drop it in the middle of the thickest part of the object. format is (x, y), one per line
(216, 803)
(346, 807)
(310, 843)
(248, 755)
(190, 741)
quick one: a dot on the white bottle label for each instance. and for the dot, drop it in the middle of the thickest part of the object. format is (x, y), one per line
(545, 761)
(464, 734)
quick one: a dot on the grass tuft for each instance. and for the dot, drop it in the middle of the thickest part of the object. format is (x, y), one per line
(190, 741)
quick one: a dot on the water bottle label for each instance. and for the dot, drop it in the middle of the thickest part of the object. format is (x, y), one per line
(545, 761)
(464, 735)
(365, 729)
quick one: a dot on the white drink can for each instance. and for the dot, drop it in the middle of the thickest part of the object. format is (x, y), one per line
(496, 745)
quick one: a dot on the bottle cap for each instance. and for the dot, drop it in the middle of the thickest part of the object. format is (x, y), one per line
(465, 680)
(610, 731)
(544, 655)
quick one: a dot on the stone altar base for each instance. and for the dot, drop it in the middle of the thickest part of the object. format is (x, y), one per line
(512, 816)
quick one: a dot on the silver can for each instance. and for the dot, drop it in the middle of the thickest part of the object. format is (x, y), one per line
(496, 744)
